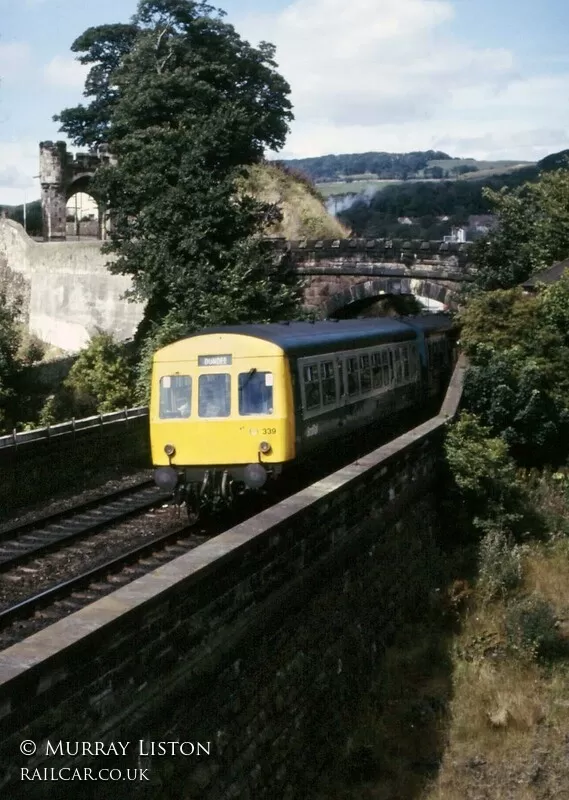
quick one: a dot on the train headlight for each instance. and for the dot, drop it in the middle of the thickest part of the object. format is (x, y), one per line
(166, 478)
(169, 449)
(254, 476)
(265, 447)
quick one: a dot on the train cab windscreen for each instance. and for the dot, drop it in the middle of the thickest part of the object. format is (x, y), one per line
(255, 393)
(214, 395)
(175, 396)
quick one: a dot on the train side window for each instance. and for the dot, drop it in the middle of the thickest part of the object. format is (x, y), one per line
(341, 378)
(365, 373)
(353, 376)
(214, 395)
(311, 387)
(376, 370)
(328, 381)
(175, 396)
(405, 357)
(255, 393)
(397, 365)
(386, 360)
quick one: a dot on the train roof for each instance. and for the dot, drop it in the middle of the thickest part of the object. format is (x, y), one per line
(307, 338)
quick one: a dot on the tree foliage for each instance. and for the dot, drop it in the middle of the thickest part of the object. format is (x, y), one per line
(518, 381)
(485, 473)
(184, 103)
(532, 231)
(9, 343)
(383, 165)
(100, 381)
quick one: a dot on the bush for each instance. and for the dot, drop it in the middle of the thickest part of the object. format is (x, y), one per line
(100, 381)
(531, 629)
(31, 349)
(499, 565)
(9, 343)
(485, 473)
(101, 378)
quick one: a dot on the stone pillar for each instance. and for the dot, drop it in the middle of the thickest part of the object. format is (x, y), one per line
(53, 159)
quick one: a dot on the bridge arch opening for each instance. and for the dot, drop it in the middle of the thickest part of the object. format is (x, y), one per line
(360, 298)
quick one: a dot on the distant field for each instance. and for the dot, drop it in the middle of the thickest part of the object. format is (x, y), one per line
(353, 187)
(472, 162)
(486, 169)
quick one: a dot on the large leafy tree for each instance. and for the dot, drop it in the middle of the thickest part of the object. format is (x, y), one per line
(184, 104)
(518, 382)
(532, 231)
(10, 337)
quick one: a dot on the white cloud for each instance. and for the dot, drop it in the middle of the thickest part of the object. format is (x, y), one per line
(388, 75)
(19, 163)
(65, 72)
(14, 58)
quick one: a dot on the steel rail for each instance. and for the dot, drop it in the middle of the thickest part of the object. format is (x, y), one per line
(53, 531)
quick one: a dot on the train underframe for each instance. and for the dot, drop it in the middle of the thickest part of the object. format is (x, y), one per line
(198, 488)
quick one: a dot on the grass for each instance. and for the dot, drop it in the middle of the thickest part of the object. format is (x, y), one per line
(353, 187)
(304, 213)
(497, 722)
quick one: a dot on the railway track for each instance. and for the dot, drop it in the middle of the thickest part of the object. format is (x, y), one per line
(50, 532)
(62, 598)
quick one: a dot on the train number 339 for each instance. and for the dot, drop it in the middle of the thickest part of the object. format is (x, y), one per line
(266, 431)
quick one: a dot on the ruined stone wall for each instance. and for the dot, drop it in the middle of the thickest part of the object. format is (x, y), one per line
(71, 293)
(256, 644)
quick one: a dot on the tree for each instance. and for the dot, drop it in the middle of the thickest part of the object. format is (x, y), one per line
(184, 104)
(100, 381)
(9, 343)
(532, 231)
(518, 382)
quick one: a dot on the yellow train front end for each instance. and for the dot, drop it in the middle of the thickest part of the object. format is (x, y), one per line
(221, 416)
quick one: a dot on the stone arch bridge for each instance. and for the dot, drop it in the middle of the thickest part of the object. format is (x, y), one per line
(345, 271)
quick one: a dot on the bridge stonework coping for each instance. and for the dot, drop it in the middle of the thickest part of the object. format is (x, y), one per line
(331, 268)
(259, 643)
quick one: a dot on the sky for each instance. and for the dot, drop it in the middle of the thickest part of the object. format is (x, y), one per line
(486, 79)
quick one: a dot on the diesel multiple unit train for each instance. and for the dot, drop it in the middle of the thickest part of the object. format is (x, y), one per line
(233, 407)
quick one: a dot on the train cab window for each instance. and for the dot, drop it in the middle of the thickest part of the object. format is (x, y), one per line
(255, 392)
(328, 382)
(175, 396)
(353, 376)
(376, 370)
(214, 395)
(311, 387)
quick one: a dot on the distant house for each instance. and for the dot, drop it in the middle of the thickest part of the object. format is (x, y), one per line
(550, 275)
(456, 235)
(405, 221)
(479, 225)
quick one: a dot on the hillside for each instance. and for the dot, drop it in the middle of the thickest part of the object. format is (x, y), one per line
(430, 209)
(344, 169)
(303, 210)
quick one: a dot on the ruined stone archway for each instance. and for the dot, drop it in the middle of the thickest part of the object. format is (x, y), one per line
(61, 176)
(379, 287)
